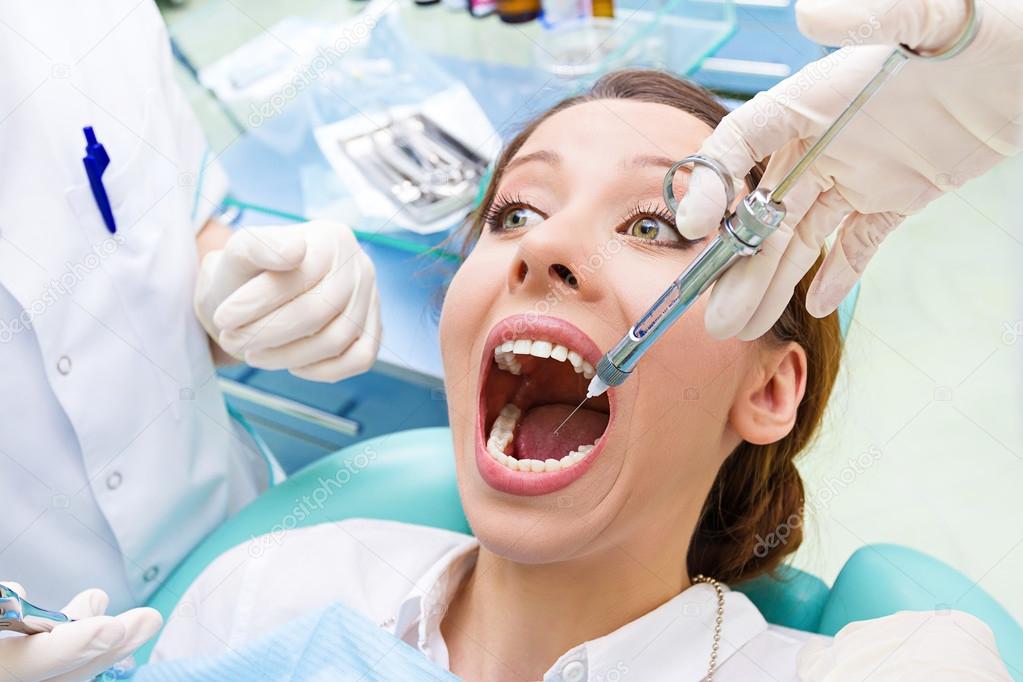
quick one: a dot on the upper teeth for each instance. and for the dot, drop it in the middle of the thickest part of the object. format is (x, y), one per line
(503, 432)
(504, 355)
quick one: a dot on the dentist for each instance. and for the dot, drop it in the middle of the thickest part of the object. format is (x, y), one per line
(117, 288)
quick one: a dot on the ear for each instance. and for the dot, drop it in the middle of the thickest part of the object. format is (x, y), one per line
(766, 404)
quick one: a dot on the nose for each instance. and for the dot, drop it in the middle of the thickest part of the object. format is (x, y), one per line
(551, 256)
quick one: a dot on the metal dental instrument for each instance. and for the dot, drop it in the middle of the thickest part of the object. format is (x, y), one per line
(18, 615)
(742, 231)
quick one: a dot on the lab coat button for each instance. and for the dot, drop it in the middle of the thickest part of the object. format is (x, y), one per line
(151, 573)
(114, 480)
(574, 671)
(64, 365)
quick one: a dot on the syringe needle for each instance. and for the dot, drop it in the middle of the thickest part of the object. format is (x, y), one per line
(571, 414)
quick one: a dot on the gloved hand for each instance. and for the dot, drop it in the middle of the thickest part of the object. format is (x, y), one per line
(296, 297)
(932, 127)
(80, 650)
(908, 646)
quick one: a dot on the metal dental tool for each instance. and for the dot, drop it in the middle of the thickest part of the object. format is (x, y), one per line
(743, 230)
(425, 171)
(18, 615)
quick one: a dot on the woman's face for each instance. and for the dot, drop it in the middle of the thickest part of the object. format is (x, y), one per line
(578, 245)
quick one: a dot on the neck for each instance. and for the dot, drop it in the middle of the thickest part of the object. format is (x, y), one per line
(512, 621)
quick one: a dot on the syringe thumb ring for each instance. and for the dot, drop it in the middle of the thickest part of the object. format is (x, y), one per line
(753, 221)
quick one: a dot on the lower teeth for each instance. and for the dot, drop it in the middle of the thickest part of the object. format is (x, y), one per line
(501, 435)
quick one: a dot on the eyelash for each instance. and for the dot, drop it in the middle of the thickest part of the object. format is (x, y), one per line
(650, 210)
(502, 202)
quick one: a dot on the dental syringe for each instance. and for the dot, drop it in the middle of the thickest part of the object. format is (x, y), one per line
(742, 231)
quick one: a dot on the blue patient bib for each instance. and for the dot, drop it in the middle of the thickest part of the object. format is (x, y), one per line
(335, 643)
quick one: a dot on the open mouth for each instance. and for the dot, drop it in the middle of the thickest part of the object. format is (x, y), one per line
(535, 374)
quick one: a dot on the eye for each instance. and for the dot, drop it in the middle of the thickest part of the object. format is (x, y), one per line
(515, 217)
(507, 213)
(652, 228)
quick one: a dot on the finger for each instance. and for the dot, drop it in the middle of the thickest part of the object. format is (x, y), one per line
(801, 253)
(17, 587)
(303, 317)
(359, 357)
(86, 604)
(65, 648)
(744, 137)
(857, 242)
(703, 205)
(926, 26)
(332, 340)
(253, 250)
(247, 253)
(139, 625)
(268, 291)
(738, 294)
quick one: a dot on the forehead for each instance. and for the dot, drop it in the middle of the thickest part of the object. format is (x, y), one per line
(610, 129)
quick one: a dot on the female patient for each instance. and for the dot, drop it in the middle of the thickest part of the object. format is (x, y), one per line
(601, 550)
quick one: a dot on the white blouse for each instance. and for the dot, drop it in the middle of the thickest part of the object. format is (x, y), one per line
(404, 576)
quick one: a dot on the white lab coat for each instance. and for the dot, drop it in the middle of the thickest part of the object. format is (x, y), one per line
(116, 453)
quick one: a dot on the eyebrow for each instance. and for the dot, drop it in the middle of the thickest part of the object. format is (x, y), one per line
(636, 162)
(648, 161)
(542, 156)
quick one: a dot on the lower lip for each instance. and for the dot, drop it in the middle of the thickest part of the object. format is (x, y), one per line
(504, 479)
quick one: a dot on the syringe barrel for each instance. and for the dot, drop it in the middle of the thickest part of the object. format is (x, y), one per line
(741, 233)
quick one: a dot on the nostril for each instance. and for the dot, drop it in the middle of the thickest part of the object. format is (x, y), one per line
(523, 269)
(564, 274)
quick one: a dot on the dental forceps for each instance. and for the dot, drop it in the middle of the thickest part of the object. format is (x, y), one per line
(742, 231)
(18, 615)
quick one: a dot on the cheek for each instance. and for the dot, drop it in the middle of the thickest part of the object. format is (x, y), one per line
(685, 387)
(688, 366)
(463, 326)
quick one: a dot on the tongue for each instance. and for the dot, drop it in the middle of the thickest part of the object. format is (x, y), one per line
(535, 437)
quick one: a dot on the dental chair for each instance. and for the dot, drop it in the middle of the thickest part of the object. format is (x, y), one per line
(876, 581)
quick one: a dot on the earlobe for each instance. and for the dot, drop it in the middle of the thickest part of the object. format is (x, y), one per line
(766, 406)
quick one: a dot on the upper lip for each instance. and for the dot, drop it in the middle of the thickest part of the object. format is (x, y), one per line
(546, 328)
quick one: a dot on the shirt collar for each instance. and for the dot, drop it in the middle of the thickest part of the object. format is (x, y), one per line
(425, 605)
(677, 634)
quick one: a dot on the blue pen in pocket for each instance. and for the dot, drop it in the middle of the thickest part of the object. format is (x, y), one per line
(96, 161)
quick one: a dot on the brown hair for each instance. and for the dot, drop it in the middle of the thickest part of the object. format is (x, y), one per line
(752, 517)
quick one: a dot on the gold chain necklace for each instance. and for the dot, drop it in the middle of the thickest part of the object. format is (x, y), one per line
(717, 623)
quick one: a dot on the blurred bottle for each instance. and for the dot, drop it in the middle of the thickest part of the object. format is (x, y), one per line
(560, 12)
(482, 8)
(518, 11)
(603, 8)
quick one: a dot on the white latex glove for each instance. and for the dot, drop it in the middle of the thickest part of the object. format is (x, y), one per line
(297, 297)
(932, 127)
(80, 650)
(908, 646)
